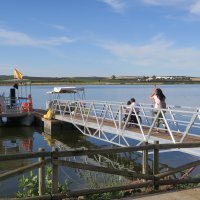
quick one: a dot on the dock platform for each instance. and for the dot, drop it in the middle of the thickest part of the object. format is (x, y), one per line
(106, 121)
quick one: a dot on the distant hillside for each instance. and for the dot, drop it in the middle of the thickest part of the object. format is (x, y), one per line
(108, 80)
(4, 77)
(58, 79)
(7, 77)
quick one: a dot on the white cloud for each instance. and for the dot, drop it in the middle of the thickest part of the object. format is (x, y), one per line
(168, 2)
(195, 8)
(12, 38)
(157, 53)
(59, 27)
(191, 6)
(116, 5)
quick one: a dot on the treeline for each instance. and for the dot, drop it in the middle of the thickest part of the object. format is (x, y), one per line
(58, 79)
(101, 80)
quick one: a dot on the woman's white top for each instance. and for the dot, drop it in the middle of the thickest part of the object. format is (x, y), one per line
(135, 105)
(157, 102)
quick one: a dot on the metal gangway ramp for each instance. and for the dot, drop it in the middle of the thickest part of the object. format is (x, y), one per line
(106, 121)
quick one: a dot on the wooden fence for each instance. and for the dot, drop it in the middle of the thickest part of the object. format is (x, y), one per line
(154, 179)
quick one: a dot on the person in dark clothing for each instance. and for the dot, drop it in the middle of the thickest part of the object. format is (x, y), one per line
(133, 118)
(127, 109)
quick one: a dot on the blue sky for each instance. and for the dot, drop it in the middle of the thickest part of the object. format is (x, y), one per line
(100, 37)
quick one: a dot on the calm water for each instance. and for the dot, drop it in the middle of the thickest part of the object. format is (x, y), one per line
(24, 139)
(187, 95)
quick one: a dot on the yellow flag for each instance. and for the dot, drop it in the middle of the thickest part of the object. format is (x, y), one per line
(17, 74)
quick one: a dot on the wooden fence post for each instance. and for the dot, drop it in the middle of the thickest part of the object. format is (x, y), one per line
(54, 188)
(41, 175)
(156, 164)
(145, 159)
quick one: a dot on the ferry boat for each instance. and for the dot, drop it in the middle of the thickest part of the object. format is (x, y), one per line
(73, 93)
(16, 104)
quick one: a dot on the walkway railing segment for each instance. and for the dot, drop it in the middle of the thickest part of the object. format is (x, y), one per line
(118, 124)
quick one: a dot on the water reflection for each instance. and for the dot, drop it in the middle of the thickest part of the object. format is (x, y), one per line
(29, 139)
(87, 179)
(14, 140)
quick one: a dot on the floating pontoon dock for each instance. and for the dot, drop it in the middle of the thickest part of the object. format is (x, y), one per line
(105, 121)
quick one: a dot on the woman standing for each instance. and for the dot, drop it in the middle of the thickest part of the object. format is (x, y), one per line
(158, 99)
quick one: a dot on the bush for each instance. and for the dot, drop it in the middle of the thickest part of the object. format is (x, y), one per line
(29, 184)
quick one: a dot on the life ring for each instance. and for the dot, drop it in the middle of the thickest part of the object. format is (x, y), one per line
(24, 107)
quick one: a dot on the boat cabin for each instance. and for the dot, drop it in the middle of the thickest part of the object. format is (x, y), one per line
(17, 99)
(70, 93)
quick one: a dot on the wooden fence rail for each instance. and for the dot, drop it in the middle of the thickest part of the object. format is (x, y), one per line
(24, 156)
(154, 180)
(97, 151)
(103, 170)
(20, 170)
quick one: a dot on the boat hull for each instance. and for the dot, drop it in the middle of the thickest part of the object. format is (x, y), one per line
(21, 119)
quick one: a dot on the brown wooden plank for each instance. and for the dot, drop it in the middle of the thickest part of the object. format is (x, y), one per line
(103, 169)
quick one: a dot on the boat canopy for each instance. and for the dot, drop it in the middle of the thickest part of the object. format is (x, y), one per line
(62, 90)
(65, 93)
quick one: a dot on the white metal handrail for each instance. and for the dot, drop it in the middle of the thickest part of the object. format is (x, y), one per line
(111, 121)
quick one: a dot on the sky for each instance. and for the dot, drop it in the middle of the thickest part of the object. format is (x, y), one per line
(71, 38)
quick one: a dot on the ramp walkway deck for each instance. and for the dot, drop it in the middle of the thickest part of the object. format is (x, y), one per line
(112, 122)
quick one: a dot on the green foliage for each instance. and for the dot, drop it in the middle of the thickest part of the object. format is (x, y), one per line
(188, 185)
(185, 186)
(106, 196)
(29, 184)
(113, 77)
(108, 181)
(113, 195)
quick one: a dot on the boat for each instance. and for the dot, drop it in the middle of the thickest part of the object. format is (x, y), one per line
(58, 93)
(16, 104)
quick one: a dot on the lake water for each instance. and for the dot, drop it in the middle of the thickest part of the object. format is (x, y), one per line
(24, 139)
(187, 95)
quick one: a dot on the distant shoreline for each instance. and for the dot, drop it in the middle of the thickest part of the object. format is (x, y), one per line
(113, 80)
(109, 83)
